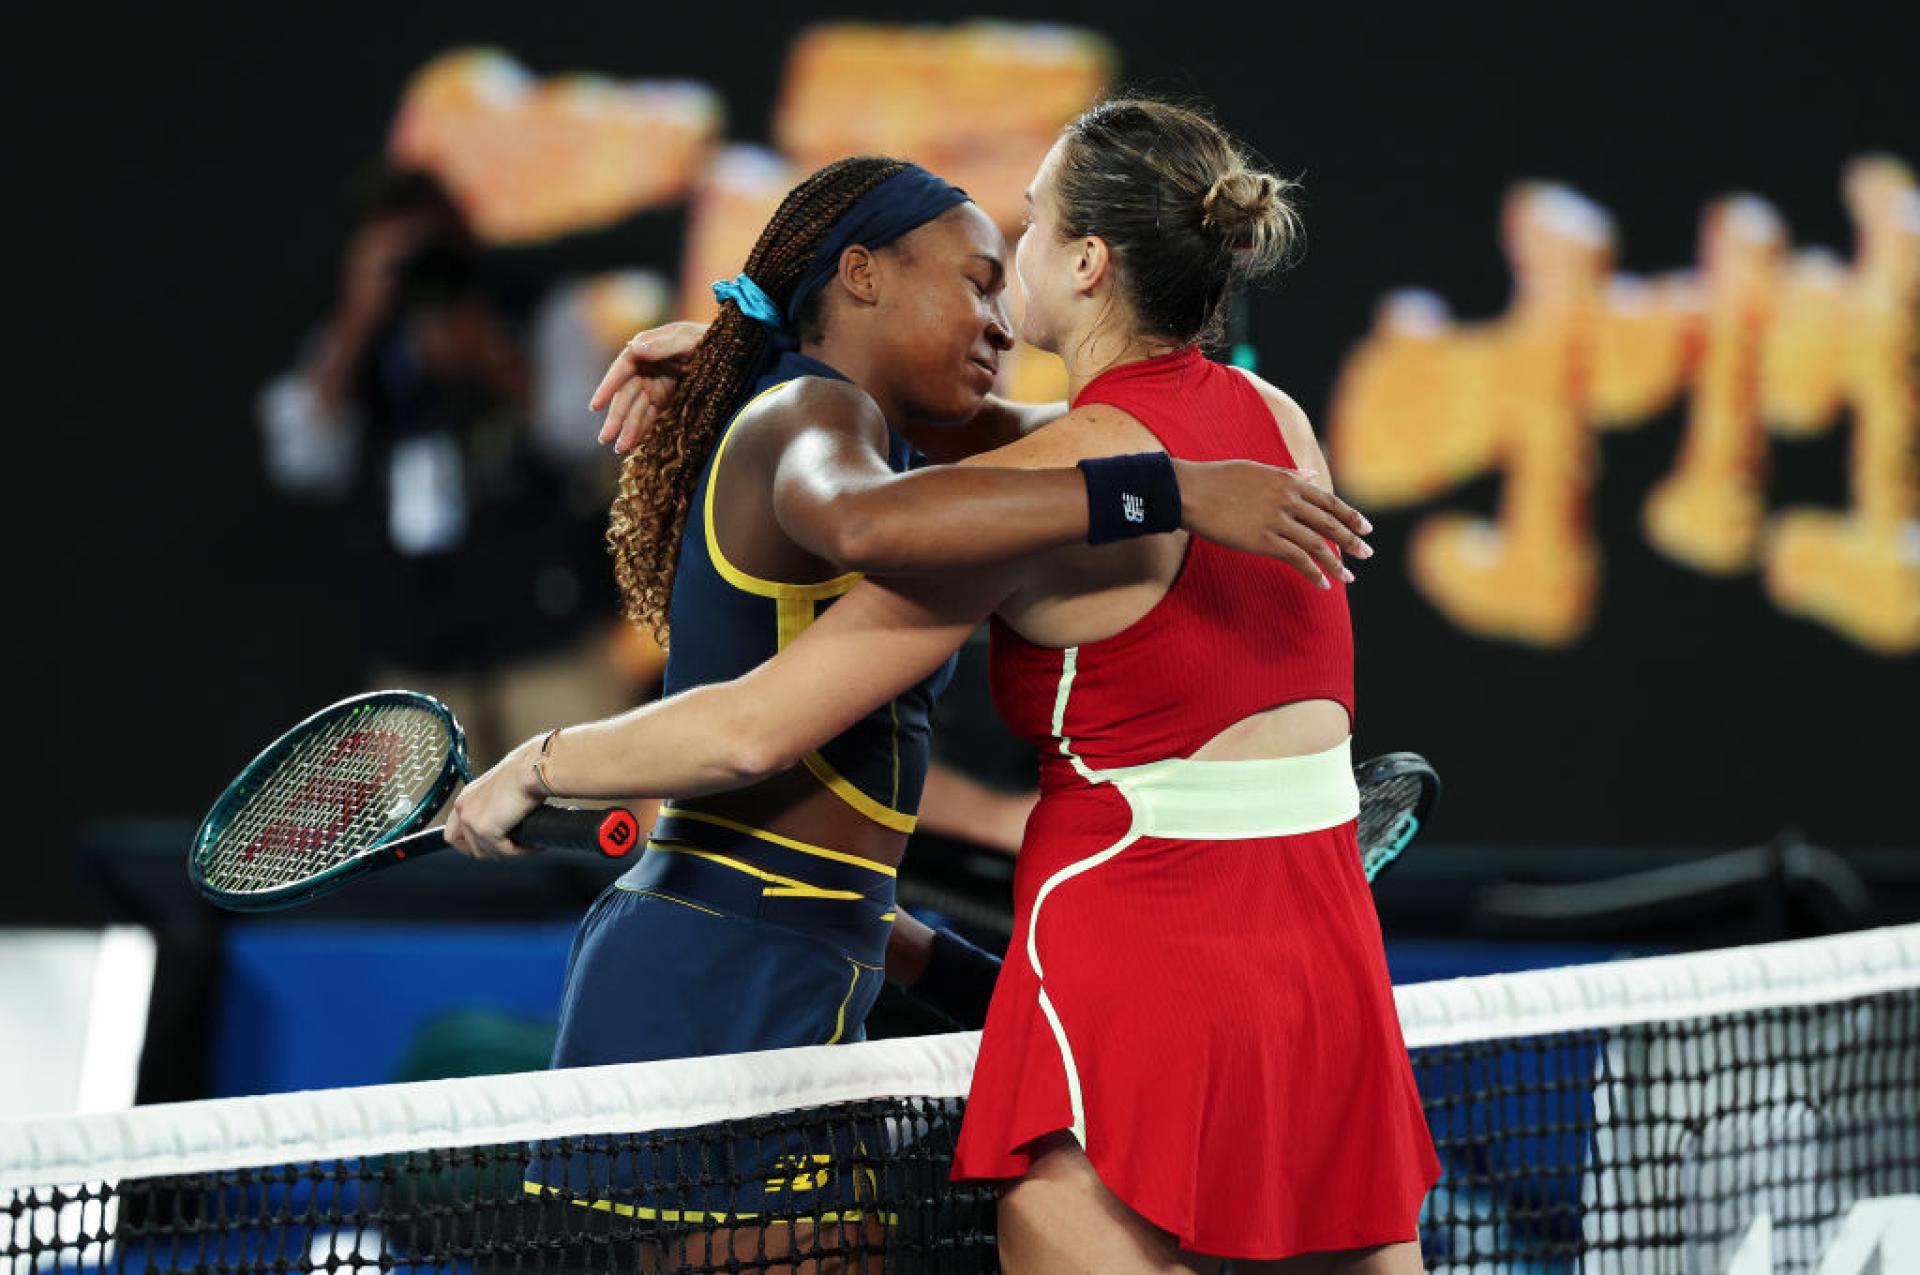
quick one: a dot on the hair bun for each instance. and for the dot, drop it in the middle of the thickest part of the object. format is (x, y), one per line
(1188, 213)
(1237, 204)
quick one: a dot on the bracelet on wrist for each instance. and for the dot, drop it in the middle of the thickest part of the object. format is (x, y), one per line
(540, 763)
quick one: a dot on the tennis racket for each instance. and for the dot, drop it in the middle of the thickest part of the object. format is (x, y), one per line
(348, 792)
(1397, 792)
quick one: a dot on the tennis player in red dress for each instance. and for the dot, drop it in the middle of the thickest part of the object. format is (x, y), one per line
(1196, 993)
(1192, 1053)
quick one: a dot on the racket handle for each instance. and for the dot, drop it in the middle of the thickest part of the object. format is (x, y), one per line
(611, 832)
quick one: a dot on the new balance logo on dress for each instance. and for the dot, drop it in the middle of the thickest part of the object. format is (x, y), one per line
(1133, 507)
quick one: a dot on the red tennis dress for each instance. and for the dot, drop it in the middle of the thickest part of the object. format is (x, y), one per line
(1196, 987)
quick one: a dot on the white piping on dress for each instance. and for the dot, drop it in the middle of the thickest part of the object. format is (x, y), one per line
(1197, 800)
(1069, 661)
(1078, 1107)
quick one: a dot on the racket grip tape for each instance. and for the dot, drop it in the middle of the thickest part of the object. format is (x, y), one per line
(612, 831)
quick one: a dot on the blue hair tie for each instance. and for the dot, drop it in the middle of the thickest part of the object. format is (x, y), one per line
(752, 300)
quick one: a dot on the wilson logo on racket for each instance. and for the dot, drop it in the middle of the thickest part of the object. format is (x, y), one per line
(335, 796)
(617, 834)
(350, 791)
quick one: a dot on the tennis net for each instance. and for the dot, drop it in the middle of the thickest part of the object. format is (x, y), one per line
(1755, 1109)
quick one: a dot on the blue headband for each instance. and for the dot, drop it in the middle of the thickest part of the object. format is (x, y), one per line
(895, 208)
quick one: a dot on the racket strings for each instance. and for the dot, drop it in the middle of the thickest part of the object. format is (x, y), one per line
(1387, 818)
(346, 787)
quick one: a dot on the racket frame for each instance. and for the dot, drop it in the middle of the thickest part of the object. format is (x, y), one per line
(1384, 769)
(405, 841)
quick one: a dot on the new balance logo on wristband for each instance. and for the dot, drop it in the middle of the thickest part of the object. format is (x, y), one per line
(1128, 496)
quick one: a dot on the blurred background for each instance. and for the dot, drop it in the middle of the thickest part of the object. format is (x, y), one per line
(1607, 315)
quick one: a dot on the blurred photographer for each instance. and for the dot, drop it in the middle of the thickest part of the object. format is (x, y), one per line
(477, 537)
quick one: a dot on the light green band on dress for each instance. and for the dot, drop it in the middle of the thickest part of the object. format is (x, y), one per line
(1191, 800)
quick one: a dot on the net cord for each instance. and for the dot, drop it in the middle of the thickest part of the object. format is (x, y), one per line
(234, 1133)
(1661, 988)
(296, 1128)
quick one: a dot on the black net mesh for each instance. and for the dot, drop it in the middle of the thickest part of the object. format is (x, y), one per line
(1666, 1146)
(1675, 1145)
(860, 1186)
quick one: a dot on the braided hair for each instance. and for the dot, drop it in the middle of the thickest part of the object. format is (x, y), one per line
(658, 477)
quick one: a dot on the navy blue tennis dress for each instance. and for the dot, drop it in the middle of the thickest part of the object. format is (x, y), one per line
(724, 938)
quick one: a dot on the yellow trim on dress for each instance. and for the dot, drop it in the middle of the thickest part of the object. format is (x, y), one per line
(791, 616)
(793, 612)
(781, 887)
(741, 580)
(805, 847)
(668, 898)
(885, 816)
(840, 1016)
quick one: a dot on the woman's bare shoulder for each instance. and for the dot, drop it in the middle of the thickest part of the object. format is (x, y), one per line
(1083, 433)
(1296, 430)
(809, 403)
